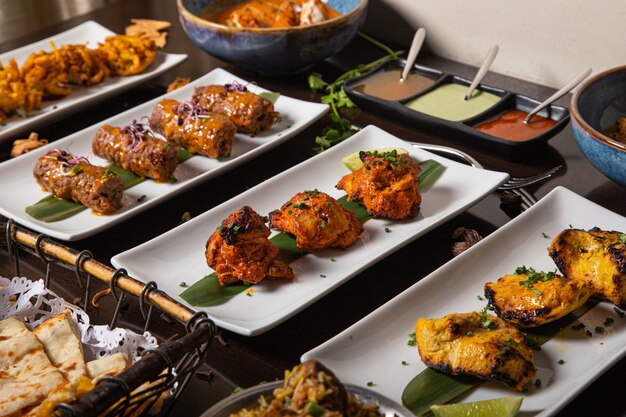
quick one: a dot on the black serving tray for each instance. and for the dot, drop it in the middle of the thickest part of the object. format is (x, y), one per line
(461, 131)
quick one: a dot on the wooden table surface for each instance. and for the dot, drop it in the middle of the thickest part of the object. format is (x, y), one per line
(244, 361)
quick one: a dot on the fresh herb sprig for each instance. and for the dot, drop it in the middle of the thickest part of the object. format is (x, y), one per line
(339, 128)
(533, 277)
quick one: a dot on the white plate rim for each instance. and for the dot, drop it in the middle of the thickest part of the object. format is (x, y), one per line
(555, 194)
(15, 127)
(119, 260)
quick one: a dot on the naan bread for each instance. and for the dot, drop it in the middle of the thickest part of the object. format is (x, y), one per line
(61, 341)
(109, 365)
(26, 374)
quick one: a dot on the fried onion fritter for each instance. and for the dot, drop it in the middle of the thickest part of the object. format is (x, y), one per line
(12, 89)
(127, 55)
(239, 250)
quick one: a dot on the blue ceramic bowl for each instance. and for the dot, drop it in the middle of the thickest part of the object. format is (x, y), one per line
(595, 106)
(272, 51)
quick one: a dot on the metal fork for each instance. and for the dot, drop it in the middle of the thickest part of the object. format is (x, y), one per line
(511, 184)
(519, 182)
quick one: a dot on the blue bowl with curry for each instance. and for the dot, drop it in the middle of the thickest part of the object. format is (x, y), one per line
(272, 37)
(599, 122)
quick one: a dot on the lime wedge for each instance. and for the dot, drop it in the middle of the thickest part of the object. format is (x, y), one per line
(353, 162)
(500, 407)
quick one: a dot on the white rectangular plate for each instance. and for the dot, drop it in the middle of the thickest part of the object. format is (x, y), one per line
(373, 349)
(18, 188)
(179, 254)
(89, 32)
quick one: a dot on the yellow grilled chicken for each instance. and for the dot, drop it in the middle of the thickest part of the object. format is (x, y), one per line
(386, 185)
(317, 221)
(597, 258)
(529, 298)
(476, 344)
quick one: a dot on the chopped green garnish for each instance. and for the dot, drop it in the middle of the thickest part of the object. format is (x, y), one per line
(322, 276)
(167, 147)
(588, 333)
(561, 362)
(324, 225)
(622, 238)
(412, 341)
(470, 334)
(485, 322)
(75, 170)
(480, 298)
(405, 363)
(387, 230)
(544, 235)
(141, 199)
(510, 345)
(328, 204)
(533, 277)
(301, 206)
(599, 329)
(236, 390)
(370, 384)
(609, 321)
(333, 260)
(578, 326)
(315, 410)
(312, 192)
(183, 284)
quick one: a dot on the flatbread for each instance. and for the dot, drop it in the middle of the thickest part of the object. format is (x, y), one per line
(60, 338)
(26, 374)
(109, 365)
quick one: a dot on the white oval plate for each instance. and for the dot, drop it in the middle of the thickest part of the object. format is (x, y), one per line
(178, 255)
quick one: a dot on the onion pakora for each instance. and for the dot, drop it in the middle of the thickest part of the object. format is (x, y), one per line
(12, 91)
(127, 55)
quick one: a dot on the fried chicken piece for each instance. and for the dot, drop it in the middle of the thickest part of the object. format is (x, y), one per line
(386, 185)
(239, 250)
(476, 344)
(317, 221)
(596, 258)
(12, 90)
(534, 298)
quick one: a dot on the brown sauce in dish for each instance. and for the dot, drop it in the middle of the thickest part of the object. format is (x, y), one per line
(617, 131)
(387, 85)
(510, 125)
(270, 13)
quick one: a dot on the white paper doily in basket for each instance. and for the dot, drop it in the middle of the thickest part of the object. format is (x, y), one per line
(32, 303)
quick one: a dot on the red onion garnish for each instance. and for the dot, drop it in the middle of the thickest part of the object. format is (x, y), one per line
(137, 131)
(237, 87)
(186, 109)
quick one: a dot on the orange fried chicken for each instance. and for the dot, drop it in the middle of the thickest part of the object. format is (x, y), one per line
(317, 221)
(239, 250)
(386, 185)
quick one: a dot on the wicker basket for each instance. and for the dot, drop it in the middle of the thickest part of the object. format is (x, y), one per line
(165, 371)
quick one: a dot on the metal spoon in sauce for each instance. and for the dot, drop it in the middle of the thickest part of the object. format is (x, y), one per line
(566, 89)
(418, 40)
(482, 71)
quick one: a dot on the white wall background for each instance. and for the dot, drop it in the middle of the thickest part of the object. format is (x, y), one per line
(544, 41)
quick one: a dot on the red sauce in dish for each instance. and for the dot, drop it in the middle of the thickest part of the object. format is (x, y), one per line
(510, 125)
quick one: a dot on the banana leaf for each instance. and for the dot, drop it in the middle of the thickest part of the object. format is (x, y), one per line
(270, 96)
(208, 291)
